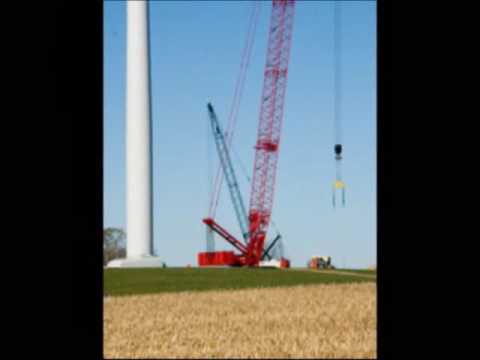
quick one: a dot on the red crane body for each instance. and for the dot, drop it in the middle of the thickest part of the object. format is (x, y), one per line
(270, 125)
(268, 136)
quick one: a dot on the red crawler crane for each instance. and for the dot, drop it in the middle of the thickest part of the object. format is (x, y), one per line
(268, 139)
(269, 127)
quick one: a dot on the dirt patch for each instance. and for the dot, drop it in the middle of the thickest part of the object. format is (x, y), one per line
(314, 321)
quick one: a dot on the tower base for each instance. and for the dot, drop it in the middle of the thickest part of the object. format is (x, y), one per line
(140, 262)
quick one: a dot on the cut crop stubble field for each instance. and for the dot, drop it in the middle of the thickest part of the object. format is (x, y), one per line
(334, 320)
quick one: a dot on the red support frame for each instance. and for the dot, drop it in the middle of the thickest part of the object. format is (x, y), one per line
(225, 234)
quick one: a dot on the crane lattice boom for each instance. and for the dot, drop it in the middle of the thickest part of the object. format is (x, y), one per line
(229, 172)
(270, 123)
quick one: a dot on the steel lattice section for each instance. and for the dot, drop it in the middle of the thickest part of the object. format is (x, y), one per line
(269, 129)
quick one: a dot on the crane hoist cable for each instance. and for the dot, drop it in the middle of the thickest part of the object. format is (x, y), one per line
(216, 187)
(338, 147)
(240, 83)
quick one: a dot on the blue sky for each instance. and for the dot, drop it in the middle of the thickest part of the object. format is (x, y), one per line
(195, 52)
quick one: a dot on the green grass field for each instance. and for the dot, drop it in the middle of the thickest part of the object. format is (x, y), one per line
(155, 280)
(360, 271)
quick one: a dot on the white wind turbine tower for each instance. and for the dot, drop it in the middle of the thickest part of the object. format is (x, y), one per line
(138, 142)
